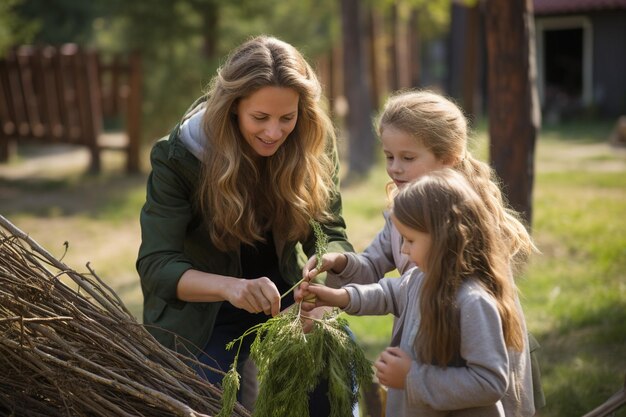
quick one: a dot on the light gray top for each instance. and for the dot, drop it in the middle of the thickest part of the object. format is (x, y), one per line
(494, 380)
(381, 256)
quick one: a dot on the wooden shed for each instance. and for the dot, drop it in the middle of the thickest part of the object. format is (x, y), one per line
(581, 56)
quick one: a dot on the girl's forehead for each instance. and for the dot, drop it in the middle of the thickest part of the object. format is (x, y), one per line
(397, 138)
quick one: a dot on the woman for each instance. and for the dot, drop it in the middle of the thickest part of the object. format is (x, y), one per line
(225, 227)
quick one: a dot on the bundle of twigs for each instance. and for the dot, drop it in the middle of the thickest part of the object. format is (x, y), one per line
(75, 350)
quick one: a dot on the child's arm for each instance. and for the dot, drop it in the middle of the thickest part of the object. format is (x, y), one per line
(366, 267)
(382, 255)
(388, 296)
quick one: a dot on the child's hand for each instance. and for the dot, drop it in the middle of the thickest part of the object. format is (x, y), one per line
(331, 261)
(320, 296)
(302, 295)
(392, 367)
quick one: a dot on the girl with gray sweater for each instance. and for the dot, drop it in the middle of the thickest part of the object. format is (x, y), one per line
(461, 344)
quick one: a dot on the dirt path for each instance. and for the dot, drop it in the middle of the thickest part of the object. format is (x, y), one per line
(598, 157)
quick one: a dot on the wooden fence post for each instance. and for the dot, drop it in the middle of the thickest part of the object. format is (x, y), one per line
(55, 95)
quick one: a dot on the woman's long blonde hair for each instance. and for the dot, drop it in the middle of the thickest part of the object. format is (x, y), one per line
(441, 127)
(465, 244)
(242, 195)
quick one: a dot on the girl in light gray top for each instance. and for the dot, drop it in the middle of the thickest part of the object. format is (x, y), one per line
(462, 348)
(422, 131)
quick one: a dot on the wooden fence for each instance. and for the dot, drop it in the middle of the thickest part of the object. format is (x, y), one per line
(65, 94)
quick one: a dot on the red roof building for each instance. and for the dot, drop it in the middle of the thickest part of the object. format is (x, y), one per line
(575, 6)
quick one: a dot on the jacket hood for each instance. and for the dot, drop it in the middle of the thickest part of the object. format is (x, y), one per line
(191, 133)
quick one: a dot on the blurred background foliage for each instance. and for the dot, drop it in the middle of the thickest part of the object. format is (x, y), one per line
(183, 41)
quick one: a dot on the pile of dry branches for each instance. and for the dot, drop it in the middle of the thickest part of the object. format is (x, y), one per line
(69, 346)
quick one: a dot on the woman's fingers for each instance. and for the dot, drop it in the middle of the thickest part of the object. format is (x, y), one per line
(258, 295)
(270, 300)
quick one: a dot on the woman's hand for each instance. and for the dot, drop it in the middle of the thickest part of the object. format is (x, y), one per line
(255, 295)
(392, 367)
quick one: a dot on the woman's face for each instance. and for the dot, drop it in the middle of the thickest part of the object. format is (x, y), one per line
(267, 117)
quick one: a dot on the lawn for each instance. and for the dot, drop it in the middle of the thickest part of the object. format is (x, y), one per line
(574, 292)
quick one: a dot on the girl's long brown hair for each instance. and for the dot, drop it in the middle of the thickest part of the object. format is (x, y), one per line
(465, 244)
(243, 195)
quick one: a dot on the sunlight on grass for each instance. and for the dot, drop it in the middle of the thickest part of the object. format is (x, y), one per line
(373, 333)
(573, 293)
(124, 206)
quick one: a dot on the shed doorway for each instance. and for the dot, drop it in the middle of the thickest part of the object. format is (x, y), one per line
(564, 65)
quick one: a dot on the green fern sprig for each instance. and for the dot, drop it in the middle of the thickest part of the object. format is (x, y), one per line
(291, 363)
(230, 386)
(288, 369)
(321, 241)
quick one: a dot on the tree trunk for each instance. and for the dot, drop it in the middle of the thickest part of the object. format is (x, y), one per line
(392, 45)
(374, 57)
(414, 43)
(403, 57)
(468, 89)
(357, 90)
(513, 108)
(210, 18)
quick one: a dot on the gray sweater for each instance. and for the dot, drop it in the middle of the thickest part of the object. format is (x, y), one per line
(381, 256)
(494, 381)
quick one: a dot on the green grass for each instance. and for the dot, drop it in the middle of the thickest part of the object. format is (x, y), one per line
(574, 292)
(576, 289)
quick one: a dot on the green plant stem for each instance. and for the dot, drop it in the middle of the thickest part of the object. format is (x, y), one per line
(251, 330)
(292, 288)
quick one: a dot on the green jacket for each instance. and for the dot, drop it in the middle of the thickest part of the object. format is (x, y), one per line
(174, 240)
